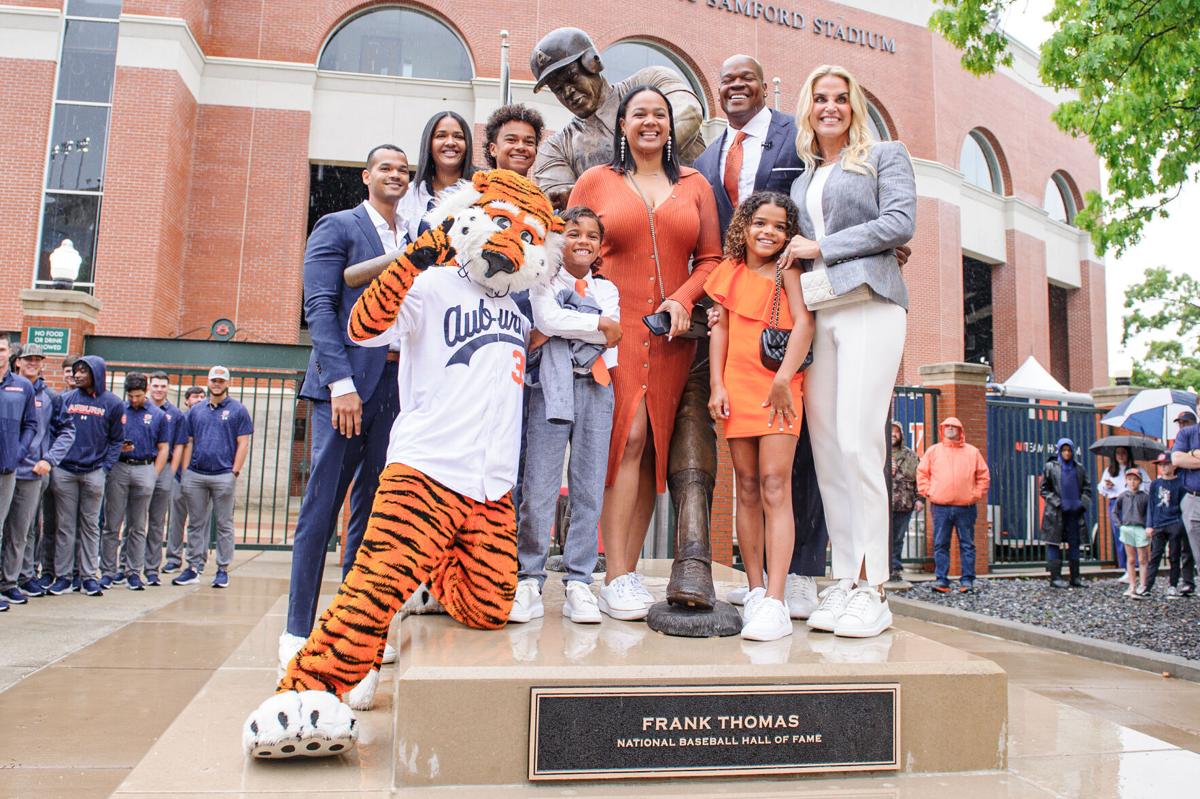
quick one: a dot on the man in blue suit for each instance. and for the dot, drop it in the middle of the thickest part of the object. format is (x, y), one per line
(353, 389)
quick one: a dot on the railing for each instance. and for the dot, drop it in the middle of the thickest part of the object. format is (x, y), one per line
(264, 378)
(1022, 434)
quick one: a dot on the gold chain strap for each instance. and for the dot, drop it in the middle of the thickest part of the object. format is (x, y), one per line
(653, 236)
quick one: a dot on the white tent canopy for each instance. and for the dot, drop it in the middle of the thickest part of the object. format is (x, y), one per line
(1034, 382)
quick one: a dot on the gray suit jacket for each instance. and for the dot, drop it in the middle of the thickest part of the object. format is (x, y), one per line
(866, 218)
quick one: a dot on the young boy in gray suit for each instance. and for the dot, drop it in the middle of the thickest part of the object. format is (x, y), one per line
(577, 321)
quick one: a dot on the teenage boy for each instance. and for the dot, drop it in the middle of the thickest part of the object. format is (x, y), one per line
(578, 317)
(1164, 525)
(219, 433)
(78, 482)
(18, 426)
(55, 434)
(166, 487)
(130, 485)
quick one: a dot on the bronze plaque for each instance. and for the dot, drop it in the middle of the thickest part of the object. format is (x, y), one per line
(592, 733)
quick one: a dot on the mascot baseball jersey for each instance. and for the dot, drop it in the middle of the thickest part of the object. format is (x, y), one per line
(462, 370)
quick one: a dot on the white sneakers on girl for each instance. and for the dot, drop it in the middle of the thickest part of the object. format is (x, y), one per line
(752, 600)
(768, 620)
(833, 602)
(621, 600)
(640, 589)
(866, 615)
(800, 595)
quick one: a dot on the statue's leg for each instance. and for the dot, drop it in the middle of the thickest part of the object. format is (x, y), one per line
(691, 476)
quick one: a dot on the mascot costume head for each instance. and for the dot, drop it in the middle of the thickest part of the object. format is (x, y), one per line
(502, 229)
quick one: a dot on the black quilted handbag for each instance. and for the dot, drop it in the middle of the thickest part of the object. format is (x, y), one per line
(772, 344)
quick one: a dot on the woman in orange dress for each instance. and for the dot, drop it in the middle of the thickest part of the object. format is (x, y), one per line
(761, 407)
(645, 189)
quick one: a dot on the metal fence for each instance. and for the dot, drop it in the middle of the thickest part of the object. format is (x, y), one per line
(266, 378)
(916, 410)
(1021, 434)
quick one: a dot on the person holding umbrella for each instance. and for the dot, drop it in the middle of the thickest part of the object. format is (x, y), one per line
(1067, 494)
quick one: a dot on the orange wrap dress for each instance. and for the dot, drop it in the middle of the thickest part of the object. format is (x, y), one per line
(649, 366)
(746, 297)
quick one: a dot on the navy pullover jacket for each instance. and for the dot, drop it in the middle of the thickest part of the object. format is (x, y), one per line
(55, 432)
(1165, 499)
(99, 432)
(18, 420)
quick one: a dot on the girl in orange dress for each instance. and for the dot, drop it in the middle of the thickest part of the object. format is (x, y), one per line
(761, 408)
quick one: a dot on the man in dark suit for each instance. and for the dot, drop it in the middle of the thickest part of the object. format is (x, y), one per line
(758, 153)
(352, 389)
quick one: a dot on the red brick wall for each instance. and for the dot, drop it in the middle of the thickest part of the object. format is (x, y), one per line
(1020, 311)
(27, 89)
(246, 215)
(935, 293)
(1087, 335)
(139, 263)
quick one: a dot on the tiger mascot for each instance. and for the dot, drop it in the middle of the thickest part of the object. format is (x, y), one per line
(443, 514)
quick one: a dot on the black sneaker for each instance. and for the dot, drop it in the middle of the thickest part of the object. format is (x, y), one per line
(134, 583)
(1187, 590)
(152, 579)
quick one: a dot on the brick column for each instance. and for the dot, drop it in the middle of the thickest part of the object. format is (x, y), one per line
(58, 308)
(963, 389)
(1109, 397)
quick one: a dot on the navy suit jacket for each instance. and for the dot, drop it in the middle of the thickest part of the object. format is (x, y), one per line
(777, 169)
(337, 241)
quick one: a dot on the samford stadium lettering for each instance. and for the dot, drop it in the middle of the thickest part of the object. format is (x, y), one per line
(797, 20)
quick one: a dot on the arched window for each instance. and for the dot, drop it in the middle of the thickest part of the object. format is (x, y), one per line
(625, 58)
(978, 163)
(397, 42)
(1059, 201)
(877, 124)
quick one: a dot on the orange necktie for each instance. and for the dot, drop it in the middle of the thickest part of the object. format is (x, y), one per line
(599, 368)
(733, 168)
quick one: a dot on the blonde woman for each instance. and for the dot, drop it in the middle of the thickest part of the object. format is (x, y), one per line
(857, 200)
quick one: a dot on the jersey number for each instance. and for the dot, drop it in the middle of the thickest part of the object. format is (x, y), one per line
(518, 372)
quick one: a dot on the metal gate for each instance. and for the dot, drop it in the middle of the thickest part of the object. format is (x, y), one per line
(916, 409)
(1021, 438)
(266, 378)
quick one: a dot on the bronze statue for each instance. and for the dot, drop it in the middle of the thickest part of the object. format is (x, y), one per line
(566, 61)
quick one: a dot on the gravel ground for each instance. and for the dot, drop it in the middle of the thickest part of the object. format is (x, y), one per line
(1098, 611)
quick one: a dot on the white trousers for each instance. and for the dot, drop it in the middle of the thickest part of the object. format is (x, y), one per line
(847, 394)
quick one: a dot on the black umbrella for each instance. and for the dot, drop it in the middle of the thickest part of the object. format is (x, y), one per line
(1140, 447)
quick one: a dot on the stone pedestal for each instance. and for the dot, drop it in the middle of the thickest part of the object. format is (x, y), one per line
(463, 697)
(50, 312)
(1107, 397)
(963, 389)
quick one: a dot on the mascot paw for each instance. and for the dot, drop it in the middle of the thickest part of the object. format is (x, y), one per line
(362, 696)
(421, 602)
(304, 724)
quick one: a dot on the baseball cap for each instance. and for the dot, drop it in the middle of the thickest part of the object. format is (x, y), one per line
(218, 373)
(1185, 416)
(1163, 458)
(32, 351)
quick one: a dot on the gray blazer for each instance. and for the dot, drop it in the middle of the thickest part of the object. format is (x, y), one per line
(866, 218)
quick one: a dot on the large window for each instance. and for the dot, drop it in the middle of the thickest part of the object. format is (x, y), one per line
(876, 123)
(79, 136)
(397, 42)
(979, 165)
(1059, 201)
(623, 59)
(978, 346)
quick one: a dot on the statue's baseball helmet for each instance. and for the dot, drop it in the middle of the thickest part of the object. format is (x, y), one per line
(557, 49)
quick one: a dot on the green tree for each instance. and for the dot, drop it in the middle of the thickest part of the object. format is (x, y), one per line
(1163, 312)
(1133, 65)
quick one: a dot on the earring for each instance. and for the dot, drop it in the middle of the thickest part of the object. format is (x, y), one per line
(622, 149)
(668, 149)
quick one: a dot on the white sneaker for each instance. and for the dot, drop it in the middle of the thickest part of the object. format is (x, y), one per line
(769, 622)
(640, 590)
(289, 645)
(753, 601)
(866, 615)
(581, 606)
(389, 654)
(620, 600)
(833, 602)
(738, 595)
(421, 602)
(1124, 578)
(800, 596)
(528, 604)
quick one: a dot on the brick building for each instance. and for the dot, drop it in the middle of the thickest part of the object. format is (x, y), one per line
(183, 143)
